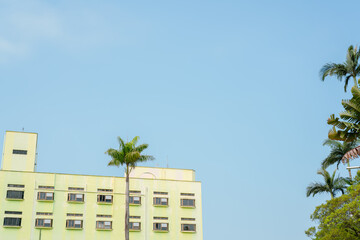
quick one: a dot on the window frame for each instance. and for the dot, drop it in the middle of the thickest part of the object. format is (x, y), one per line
(161, 205)
(74, 225)
(15, 226)
(132, 202)
(105, 195)
(187, 206)
(183, 230)
(76, 201)
(12, 198)
(44, 199)
(131, 226)
(160, 229)
(103, 222)
(37, 220)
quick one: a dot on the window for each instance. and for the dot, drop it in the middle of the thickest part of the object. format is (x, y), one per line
(75, 189)
(134, 192)
(104, 198)
(104, 190)
(187, 219)
(104, 225)
(43, 223)
(187, 194)
(135, 226)
(74, 214)
(21, 152)
(135, 200)
(44, 213)
(160, 201)
(135, 217)
(16, 185)
(75, 197)
(161, 227)
(46, 187)
(12, 222)
(161, 193)
(46, 196)
(75, 224)
(103, 216)
(161, 218)
(187, 202)
(13, 212)
(188, 227)
(12, 194)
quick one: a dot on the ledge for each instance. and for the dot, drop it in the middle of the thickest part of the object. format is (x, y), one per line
(161, 231)
(42, 200)
(104, 203)
(78, 202)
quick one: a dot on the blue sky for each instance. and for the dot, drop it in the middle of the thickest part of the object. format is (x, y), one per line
(228, 88)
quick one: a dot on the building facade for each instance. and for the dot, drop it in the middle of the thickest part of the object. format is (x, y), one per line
(165, 203)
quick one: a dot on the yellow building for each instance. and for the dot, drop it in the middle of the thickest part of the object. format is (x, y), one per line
(165, 203)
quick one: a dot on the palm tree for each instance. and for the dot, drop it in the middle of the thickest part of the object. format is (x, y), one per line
(338, 150)
(332, 185)
(128, 155)
(348, 128)
(349, 69)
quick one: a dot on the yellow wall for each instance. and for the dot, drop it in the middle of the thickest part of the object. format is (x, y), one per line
(19, 141)
(163, 173)
(60, 207)
(146, 180)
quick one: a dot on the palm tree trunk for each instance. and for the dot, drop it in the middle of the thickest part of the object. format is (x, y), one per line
(355, 81)
(127, 204)
(332, 195)
(348, 163)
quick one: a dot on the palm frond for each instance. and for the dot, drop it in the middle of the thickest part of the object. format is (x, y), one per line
(141, 147)
(331, 143)
(316, 188)
(121, 142)
(135, 140)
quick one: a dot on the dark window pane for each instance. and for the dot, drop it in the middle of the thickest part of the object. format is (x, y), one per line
(12, 221)
(15, 194)
(17, 151)
(13, 212)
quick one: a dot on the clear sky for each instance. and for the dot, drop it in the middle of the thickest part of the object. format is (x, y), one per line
(228, 88)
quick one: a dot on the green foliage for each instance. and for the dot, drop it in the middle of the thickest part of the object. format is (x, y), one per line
(338, 218)
(128, 154)
(350, 68)
(331, 184)
(348, 128)
(338, 150)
